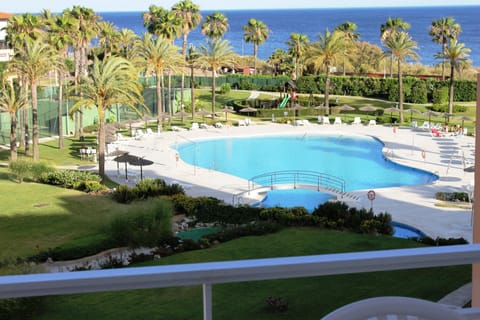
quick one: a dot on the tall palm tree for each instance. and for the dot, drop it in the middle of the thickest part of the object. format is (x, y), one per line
(401, 46)
(157, 55)
(85, 28)
(58, 27)
(192, 57)
(12, 99)
(112, 81)
(297, 46)
(281, 62)
(215, 25)
(126, 39)
(107, 37)
(441, 31)
(32, 63)
(388, 29)
(350, 34)
(190, 17)
(21, 29)
(456, 54)
(214, 55)
(256, 32)
(324, 54)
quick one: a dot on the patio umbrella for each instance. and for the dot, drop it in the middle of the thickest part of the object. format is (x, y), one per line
(464, 118)
(125, 158)
(140, 161)
(227, 111)
(147, 118)
(248, 110)
(447, 116)
(368, 108)
(430, 113)
(203, 113)
(412, 111)
(320, 107)
(391, 110)
(345, 107)
(117, 153)
(181, 114)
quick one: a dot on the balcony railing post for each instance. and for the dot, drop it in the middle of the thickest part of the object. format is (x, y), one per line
(207, 301)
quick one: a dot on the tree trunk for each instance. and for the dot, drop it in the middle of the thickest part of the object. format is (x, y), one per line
(400, 90)
(444, 47)
(451, 90)
(327, 92)
(101, 142)
(192, 94)
(13, 136)
(35, 135)
(21, 124)
(255, 49)
(158, 92)
(391, 66)
(213, 92)
(26, 127)
(60, 110)
(184, 51)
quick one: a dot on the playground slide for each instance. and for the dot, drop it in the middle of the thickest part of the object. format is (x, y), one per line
(284, 101)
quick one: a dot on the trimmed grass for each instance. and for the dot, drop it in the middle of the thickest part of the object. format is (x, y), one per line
(307, 298)
(37, 217)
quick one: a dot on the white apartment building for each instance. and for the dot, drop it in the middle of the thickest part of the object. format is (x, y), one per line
(5, 53)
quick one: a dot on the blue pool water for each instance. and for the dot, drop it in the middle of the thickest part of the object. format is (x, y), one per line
(308, 199)
(357, 160)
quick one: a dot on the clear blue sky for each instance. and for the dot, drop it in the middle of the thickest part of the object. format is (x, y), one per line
(17, 6)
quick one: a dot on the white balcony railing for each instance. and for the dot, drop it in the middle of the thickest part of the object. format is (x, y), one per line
(207, 274)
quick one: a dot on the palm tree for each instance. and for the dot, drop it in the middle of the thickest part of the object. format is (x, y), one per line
(32, 63)
(12, 99)
(443, 30)
(456, 55)
(401, 46)
(157, 55)
(215, 25)
(60, 38)
(126, 39)
(192, 57)
(190, 17)
(297, 46)
(256, 32)
(324, 54)
(281, 62)
(84, 29)
(388, 29)
(350, 34)
(107, 37)
(214, 55)
(111, 81)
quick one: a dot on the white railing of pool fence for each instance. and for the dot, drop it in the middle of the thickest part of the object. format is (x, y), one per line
(207, 274)
(297, 177)
(194, 144)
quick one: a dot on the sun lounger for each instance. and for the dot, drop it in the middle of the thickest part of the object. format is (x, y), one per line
(325, 120)
(218, 125)
(357, 121)
(338, 120)
(194, 126)
(150, 132)
(241, 123)
(372, 122)
(249, 122)
(299, 122)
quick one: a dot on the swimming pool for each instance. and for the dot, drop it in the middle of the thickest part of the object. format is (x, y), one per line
(357, 160)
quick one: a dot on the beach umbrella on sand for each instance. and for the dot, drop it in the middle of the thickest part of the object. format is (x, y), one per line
(181, 114)
(464, 118)
(345, 107)
(320, 107)
(431, 113)
(412, 111)
(140, 161)
(227, 111)
(203, 113)
(391, 110)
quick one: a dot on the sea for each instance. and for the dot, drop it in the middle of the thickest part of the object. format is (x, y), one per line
(312, 22)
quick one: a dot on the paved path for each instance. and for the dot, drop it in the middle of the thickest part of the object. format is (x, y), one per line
(413, 205)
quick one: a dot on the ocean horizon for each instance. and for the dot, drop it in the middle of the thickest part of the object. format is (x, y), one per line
(311, 22)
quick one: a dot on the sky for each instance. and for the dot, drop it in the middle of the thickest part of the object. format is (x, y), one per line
(33, 6)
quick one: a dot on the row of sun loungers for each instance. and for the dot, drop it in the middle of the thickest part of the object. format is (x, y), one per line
(338, 121)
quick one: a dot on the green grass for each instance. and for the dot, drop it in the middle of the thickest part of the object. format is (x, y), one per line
(307, 298)
(37, 217)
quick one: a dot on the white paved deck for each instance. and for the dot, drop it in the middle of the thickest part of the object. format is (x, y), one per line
(414, 205)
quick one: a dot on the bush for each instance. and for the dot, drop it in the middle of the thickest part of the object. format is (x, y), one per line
(24, 168)
(124, 194)
(452, 196)
(145, 189)
(70, 179)
(144, 226)
(253, 229)
(225, 88)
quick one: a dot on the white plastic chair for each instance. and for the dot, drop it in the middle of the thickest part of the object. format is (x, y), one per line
(325, 120)
(357, 120)
(338, 120)
(195, 126)
(241, 123)
(395, 308)
(372, 122)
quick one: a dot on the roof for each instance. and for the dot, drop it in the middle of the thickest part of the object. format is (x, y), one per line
(5, 16)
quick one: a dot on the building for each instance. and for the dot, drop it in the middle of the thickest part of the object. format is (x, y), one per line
(5, 52)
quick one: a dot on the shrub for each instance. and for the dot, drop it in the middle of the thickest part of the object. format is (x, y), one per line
(253, 229)
(70, 179)
(124, 194)
(24, 168)
(145, 189)
(144, 226)
(225, 88)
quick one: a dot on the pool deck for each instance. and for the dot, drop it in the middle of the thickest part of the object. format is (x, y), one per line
(412, 205)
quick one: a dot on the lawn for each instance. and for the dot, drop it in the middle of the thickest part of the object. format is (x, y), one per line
(307, 298)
